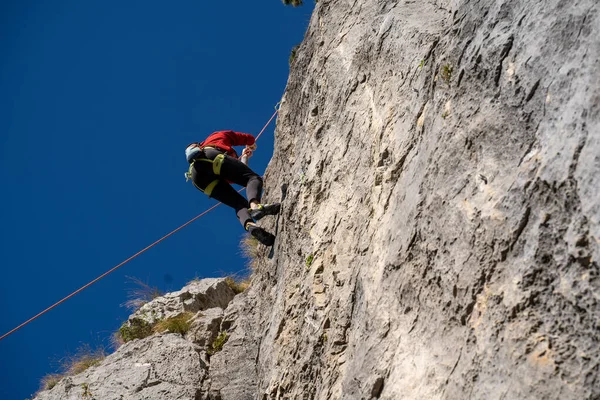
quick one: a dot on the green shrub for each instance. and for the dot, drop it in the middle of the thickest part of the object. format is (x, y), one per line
(179, 324)
(135, 329)
(217, 344)
(309, 260)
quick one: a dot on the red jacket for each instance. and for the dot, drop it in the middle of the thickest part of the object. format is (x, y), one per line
(224, 140)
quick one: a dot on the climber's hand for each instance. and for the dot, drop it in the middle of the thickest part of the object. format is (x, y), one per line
(247, 152)
(252, 147)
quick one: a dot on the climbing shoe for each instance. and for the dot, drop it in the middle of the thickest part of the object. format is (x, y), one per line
(260, 234)
(264, 209)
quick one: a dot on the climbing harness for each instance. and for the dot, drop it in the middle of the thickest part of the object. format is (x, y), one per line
(217, 167)
(217, 163)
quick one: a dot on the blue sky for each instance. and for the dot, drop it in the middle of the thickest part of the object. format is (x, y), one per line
(98, 101)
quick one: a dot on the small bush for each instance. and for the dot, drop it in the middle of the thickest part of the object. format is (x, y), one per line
(237, 287)
(179, 324)
(218, 343)
(135, 329)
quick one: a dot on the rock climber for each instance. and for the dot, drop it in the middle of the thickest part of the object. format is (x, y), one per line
(214, 164)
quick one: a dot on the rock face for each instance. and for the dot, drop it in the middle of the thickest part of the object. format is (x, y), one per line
(439, 168)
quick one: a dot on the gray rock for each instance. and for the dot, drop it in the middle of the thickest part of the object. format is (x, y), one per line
(196, 296)
(205, 327)
(447, 192)
(162, 366)
(157, 367)
(232, 371)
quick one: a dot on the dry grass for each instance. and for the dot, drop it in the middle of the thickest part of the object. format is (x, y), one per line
(195, 280)
(141, 294)
(237, 286)
(74, 364)
(249, 250)
(51, 380)
(84, 358)
(116, 340)
(179, 324)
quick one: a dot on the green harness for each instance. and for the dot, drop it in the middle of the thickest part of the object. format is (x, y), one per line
(216, 164)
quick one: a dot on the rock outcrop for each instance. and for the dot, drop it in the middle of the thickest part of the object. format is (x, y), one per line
(439, 168)
(162, 365)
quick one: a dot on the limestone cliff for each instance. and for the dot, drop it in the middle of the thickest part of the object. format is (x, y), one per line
(439, 168)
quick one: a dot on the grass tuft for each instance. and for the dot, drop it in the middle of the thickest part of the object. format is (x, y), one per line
(141, 294)
(116, 340)
(51, 380)
(250, 251)
(85, 358)
(218, 343)
(249, 247)
(309, 260)
(135, 329)
(237, 286)
(178, 324)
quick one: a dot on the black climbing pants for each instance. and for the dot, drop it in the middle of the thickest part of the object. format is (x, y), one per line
(232, 170)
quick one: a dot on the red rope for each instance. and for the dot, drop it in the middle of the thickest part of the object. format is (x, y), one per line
(268, 122)
(127, 260)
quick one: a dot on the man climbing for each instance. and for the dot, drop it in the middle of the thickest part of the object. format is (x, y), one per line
(214, 165)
